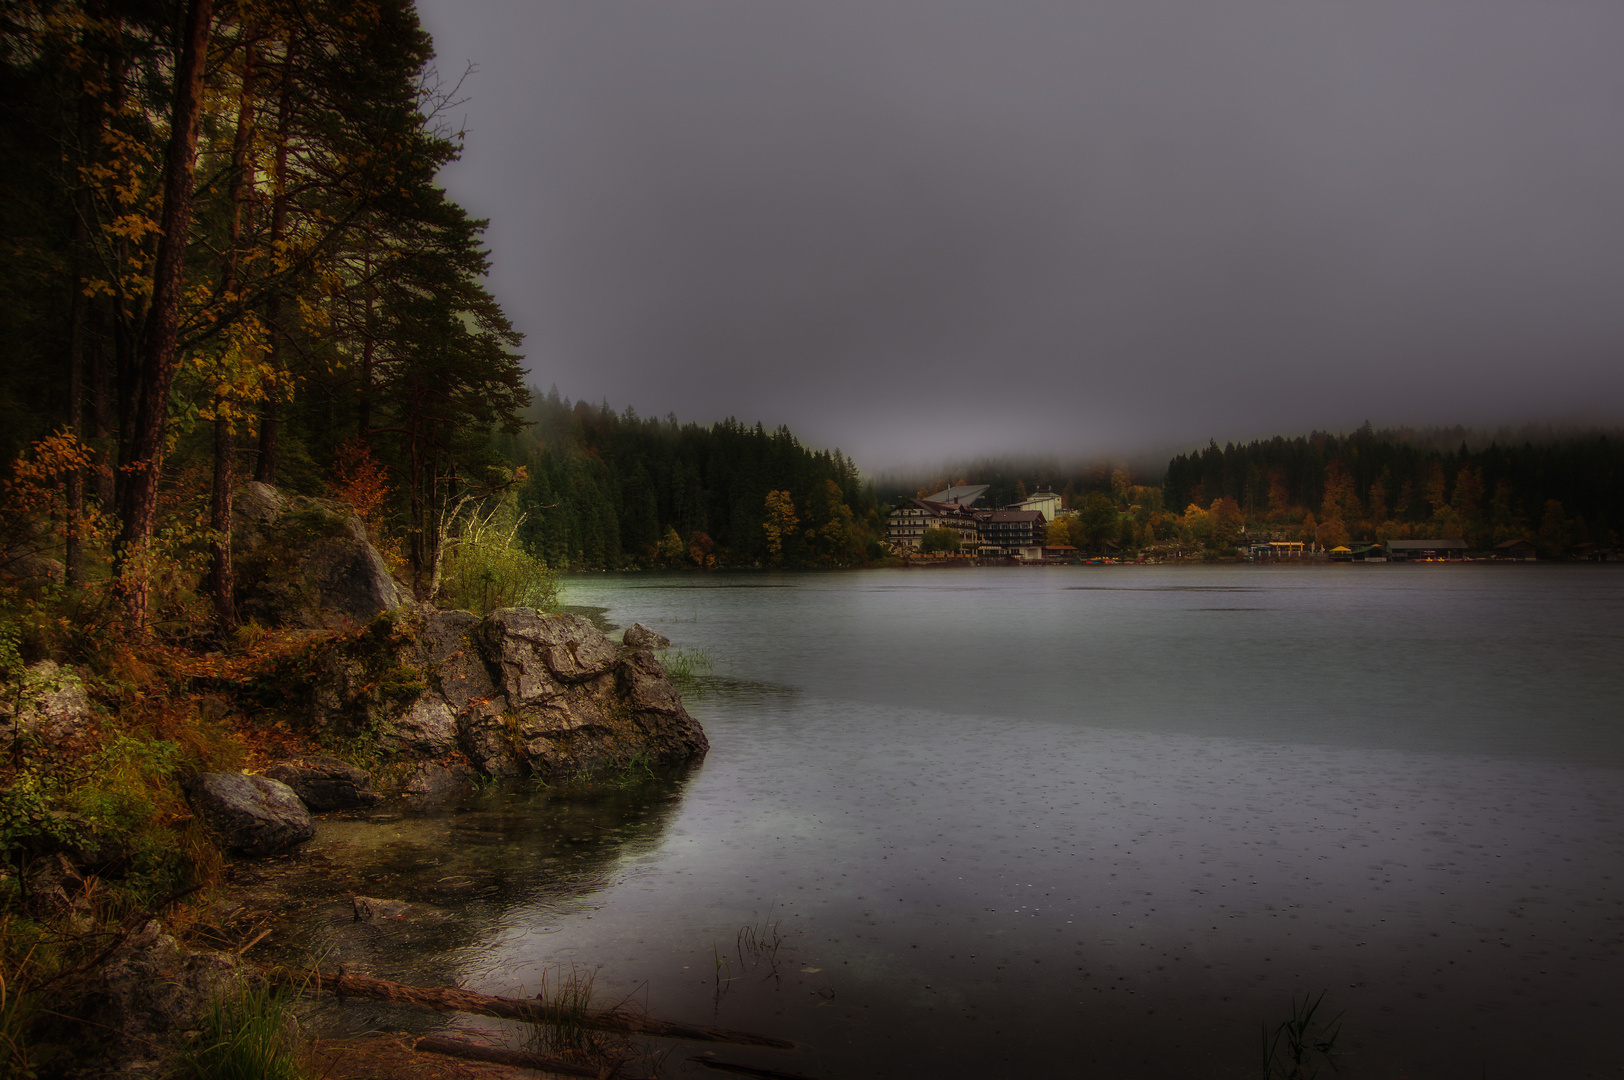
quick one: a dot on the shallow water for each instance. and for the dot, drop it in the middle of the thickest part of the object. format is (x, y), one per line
(1098, 821)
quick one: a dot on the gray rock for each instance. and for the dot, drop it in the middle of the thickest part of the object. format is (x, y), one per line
(513, 694)
(447, 647)
(306, 563)
(638, 636)
(566, 647)
(252, 815)
(371, 909)
(325, 783)
(53, 704)
(149, 998)
(646, 685)
(22, 562)
(428, 727)
(432, 781)
(486, 739)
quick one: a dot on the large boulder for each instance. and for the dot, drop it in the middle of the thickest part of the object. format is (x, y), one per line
(50, 704)
(148, 1000)
(251, 815)
(577, 702)
(306, 563)
(324, 783)
(514, 694)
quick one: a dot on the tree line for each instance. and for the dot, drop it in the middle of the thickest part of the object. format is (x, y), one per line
(608, 490)
(1556, 489)
(1370, 485)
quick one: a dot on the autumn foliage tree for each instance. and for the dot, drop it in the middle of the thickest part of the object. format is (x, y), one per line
(779, 524)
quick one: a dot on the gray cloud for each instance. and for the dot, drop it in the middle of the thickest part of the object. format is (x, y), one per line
(924, 229)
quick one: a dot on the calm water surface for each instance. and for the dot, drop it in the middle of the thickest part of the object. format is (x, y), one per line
(1079, 821)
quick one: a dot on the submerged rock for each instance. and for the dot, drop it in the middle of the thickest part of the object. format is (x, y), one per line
(432, 780)
(324, 783)
(252, 815)
(371, 909)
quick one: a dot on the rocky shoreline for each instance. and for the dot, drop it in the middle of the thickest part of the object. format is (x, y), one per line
(442, 699)
(377, 697)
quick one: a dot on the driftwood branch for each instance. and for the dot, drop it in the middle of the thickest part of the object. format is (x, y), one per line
(472, 1051)
(531, 1010)
(711, 1061)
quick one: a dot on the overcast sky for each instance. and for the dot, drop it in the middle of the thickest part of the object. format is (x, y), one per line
(924, 230)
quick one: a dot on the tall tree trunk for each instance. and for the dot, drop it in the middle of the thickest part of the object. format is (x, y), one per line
(72, 556)
(222, 584)
(139, 500)
(125, 314)
(369, 343)
(225, 443)
(100, 379)
(265, 464)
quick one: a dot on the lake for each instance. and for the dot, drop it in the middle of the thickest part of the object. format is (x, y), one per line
(1103, 821)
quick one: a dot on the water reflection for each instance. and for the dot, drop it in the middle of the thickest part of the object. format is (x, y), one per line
(451, 878)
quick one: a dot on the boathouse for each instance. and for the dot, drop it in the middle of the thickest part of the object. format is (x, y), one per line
(1411, 550)
(1518, 550)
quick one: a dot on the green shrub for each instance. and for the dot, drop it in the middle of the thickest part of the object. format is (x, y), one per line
(939, 540)
(485, 568)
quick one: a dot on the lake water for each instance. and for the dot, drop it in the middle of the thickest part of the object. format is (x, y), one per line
(1100, 821)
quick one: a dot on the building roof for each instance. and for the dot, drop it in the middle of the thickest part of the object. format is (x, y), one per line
(963, 494)
(1035, 500)
(943, 509)
(1015, 515)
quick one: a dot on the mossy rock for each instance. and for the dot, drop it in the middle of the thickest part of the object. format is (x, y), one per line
(306, 563)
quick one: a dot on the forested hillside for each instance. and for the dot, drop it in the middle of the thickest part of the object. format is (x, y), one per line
(608, 489)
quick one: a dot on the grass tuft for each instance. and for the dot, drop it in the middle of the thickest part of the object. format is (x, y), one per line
(568, 996)
(686, 667)
(17, 1011)
(247, 1036)
(758, 944)
(1300, 1042)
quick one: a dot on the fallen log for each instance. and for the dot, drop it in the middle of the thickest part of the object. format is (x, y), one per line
(711, 1061)
(472, 1051)
(531, 1010)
